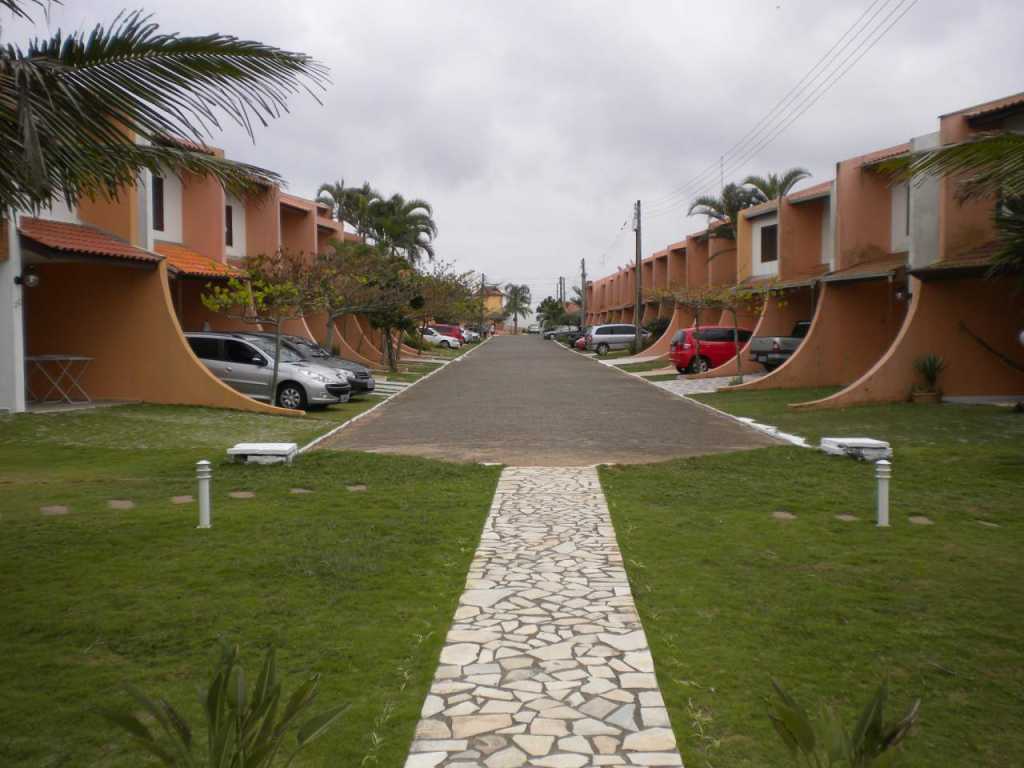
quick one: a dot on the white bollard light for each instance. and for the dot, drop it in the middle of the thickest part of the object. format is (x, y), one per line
(883, 471)
(204, 471)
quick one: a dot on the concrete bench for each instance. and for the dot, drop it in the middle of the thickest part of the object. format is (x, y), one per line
(263, 453)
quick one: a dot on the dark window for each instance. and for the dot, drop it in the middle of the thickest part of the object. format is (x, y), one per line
(240, 352)
(745, 336)
(229, 226)
(769, 244)
(626, 330)
(158, 203)
(205, 349)
(715, 334)
(677, 337)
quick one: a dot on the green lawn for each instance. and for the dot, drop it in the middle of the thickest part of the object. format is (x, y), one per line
(357, 585)
(651, 365)
(663, 377)
(731, 596)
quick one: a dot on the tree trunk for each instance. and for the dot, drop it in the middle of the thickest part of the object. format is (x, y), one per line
(277, 361)
(389, 348)
(329, 335)
(515, 325)
(736, 341)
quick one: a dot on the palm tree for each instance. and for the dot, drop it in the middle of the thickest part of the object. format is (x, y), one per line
(988, 166)
(774, 186)
(84, 114)
(517, 303)
(333, 195)
(404, 227)
(725, 208)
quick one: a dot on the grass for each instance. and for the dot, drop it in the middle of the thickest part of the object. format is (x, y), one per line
(651, 365)
(663, 377)
(358, 586)
(731, 596)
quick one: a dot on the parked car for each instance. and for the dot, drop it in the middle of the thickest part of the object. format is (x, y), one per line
(358, 375)
(560, 332)
(717, 346)
(773, 351)
(533, 328)
(573, 337)
(431, 336)
(471, 336)
(246, 363)
(454, 331)
(604, 338)
(581, 342)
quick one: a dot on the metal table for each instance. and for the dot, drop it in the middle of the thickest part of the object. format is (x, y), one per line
(63, 373)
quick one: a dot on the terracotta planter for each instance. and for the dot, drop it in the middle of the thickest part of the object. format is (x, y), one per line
(927, 397)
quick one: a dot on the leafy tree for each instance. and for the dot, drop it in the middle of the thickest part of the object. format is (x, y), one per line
(393, 296)
(551, 312)
(517, 303)
(776, 186)
(724, 210)
(244, 726)
(339, 280)
(987, 166)
(73, 105)
(448, 296)
(279, 287)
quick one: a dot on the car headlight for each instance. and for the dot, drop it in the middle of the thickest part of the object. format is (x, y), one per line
(346, 375)
(314, 376)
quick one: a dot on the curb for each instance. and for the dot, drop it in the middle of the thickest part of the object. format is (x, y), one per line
(330, 433)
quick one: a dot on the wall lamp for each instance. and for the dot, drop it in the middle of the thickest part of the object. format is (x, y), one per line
(29, 280)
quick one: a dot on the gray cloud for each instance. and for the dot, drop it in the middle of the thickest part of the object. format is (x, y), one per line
(532, 126)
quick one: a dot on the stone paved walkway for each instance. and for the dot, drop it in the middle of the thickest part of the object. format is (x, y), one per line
(546, 663)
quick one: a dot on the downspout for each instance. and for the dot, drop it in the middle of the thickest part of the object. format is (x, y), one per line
(12, 323)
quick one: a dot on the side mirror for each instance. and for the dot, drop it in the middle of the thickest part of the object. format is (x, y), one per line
(259, 360)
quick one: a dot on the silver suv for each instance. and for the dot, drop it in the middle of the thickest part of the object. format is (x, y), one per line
(246, 363)
(603, 338)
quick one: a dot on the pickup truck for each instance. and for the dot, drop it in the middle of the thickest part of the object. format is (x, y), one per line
(773, 351)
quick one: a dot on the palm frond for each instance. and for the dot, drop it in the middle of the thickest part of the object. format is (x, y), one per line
(985, 166)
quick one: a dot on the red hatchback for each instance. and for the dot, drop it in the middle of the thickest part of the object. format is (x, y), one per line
(450, 330)
(717, 347)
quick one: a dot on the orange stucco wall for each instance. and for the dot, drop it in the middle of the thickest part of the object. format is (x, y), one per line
(677, 267)
(682, 317)
(358, 342)
(722, 269)
(202, 216)
(120, 216)
(262, 223)
(123, 317)
(962, 226)
(318, 325)
(854, 324)
(988, 308)
(696, 262)
(800, 238)
(298, 231)
(863, 215)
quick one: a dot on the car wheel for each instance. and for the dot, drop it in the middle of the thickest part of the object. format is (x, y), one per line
(680, 369)
(602, 349)
(290, 395)
(699, 365)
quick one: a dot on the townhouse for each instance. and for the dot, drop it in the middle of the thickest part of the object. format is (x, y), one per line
(886, 272)
(97, 298)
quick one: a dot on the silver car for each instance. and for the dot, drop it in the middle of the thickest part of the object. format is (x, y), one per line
(246, 363)
(604, 338)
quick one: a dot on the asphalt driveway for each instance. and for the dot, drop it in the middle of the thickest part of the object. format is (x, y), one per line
(523, 401)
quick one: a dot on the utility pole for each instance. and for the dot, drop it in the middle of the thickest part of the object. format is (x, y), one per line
(636, 303)
(483, 302)
(583, 293)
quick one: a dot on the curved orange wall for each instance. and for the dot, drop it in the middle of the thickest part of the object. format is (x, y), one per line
(933, 325)
(682, 317)
(186, 294)
(318, 324)
(122, 316)
(854, 324)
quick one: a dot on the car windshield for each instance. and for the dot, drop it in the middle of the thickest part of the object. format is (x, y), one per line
(267, 346)
(310, 348)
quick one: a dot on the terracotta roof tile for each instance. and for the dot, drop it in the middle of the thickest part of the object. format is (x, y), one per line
(990, 107)
(186, 144)
(872, 158)
(189, 262)
(818, 190)
(81, 239)
(868, 269)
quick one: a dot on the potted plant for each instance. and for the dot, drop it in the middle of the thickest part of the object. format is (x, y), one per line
(930, 366)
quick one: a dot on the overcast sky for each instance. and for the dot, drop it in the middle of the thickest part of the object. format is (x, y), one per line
(533, 126)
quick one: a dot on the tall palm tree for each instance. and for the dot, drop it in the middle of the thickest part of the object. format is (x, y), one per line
(725, 208)
(517, 303)
(404, 227)
(775, 186)
(84, 113)
(333, 195)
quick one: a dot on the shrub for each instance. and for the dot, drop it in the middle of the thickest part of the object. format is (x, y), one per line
(930, 366)
(244, 727)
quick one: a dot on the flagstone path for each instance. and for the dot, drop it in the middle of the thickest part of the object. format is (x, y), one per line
(546, 663)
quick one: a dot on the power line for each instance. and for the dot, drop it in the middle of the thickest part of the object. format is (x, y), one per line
(798, 106)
